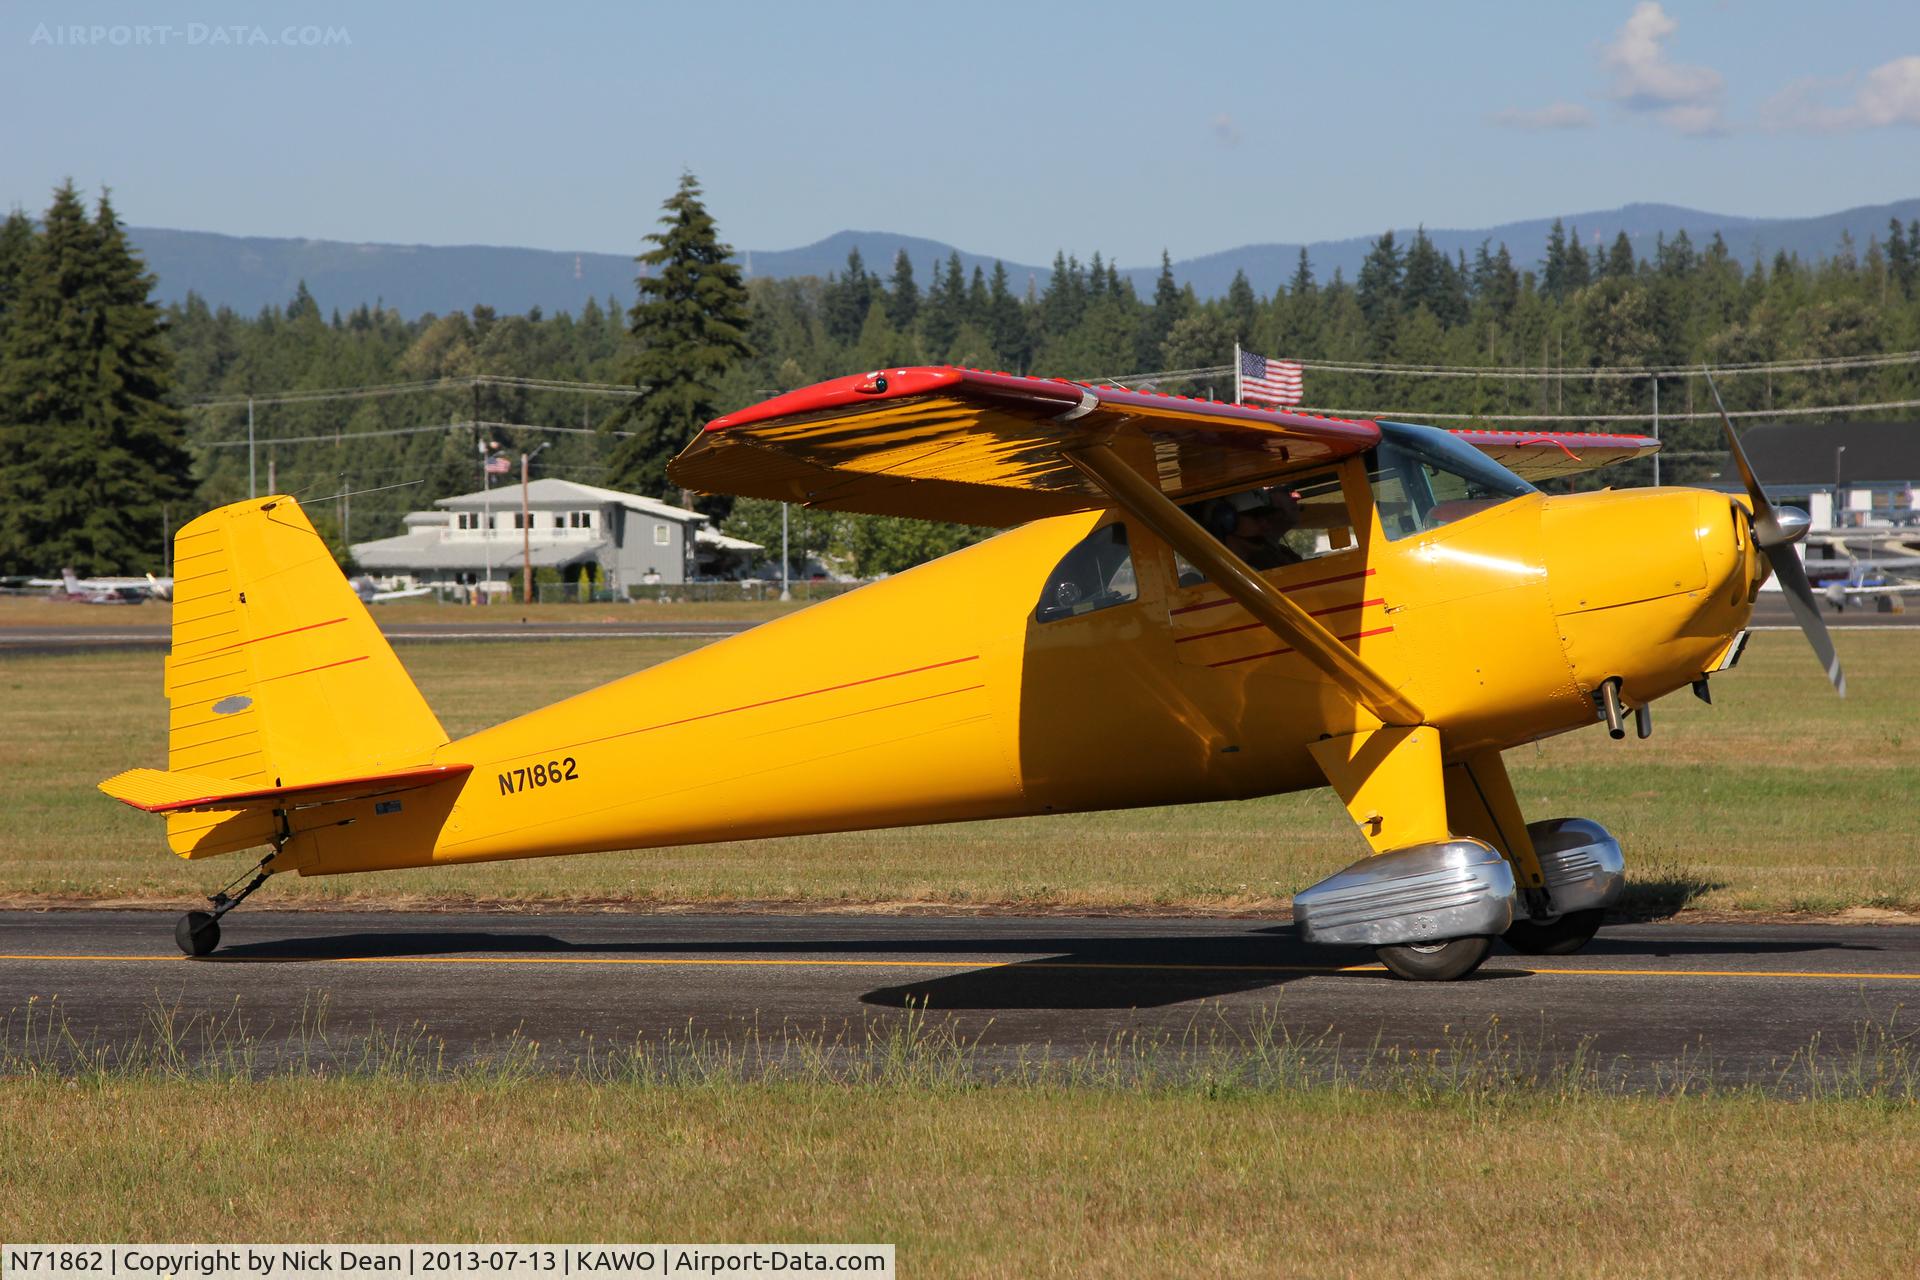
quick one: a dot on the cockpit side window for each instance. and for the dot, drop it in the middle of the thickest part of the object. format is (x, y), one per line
(1096, 574)
(1275, 525)
(1423, 478)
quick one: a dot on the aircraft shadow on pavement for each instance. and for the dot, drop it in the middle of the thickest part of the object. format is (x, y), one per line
(1067, 970)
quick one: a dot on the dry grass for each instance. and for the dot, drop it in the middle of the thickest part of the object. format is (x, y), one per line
(1779, 798)
(985, 1181)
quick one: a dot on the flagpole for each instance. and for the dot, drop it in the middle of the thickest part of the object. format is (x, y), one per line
(1237, 399)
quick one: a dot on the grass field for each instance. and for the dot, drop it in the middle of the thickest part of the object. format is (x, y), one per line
(1778, 798)
(986, 1181)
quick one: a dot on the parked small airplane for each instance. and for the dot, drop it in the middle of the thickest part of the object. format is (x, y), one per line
(71, 586)
(370, 593)
(1867, 581)
(1193, 601)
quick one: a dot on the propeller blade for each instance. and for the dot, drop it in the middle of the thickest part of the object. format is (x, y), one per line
(1766, 521)
(1799, 592)
(1775, 537)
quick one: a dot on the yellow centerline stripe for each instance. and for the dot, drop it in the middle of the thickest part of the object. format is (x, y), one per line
(724, 961)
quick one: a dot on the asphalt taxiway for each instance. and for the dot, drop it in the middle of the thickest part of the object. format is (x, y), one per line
(1741, 999)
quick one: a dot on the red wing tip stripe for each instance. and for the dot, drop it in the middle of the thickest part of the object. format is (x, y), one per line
(1274, 653)
(1250, 626)
(1284, 586)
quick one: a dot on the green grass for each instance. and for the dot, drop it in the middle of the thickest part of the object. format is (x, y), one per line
(1778, 798)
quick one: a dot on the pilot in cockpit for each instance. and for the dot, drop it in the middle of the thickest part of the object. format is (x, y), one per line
(1254, 526)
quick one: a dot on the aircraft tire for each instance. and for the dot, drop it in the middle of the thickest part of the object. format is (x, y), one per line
(1561, 937)
(1435, 961)
(197, 933)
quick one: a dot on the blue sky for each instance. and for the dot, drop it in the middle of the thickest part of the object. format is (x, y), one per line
(1010, 129)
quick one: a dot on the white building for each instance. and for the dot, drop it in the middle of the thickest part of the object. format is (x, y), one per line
(617, 540)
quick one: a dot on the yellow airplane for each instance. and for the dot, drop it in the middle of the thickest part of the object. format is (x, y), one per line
(1192, 601)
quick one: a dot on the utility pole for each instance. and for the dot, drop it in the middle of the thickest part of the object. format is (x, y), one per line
(252, 491)
(486, 514)
(526, 527)
(272, 487)
(785, 593)
(1656, 430)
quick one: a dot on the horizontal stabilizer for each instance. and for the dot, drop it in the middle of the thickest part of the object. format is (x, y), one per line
(159, 791)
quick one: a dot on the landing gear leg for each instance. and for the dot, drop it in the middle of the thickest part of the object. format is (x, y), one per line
(198, 932)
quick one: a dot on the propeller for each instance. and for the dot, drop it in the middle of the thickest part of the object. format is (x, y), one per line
(1775, 530)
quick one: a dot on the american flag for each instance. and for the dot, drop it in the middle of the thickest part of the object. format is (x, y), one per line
(1271, 381)
(499, 465)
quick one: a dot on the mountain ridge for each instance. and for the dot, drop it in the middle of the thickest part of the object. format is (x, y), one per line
(247, 273)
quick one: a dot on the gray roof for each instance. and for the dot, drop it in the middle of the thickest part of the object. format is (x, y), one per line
(549, 494)
(431, 552)
(1802, 453)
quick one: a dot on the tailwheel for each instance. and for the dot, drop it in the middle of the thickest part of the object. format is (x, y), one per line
(1435, 961)
(198, 932)
(1558, 937)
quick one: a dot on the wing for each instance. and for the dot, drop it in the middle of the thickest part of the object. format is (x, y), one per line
(993, 448)
(1543, 455)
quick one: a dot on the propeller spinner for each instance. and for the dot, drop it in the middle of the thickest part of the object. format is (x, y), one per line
(1775, 530)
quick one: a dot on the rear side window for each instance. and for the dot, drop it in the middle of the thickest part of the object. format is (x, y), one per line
(1096, 574)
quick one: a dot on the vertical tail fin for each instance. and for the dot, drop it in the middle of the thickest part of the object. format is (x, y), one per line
(278, 675)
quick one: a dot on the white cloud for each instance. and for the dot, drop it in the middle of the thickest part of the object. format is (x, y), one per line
(1645, 80)
(1225, 129)
(1887, 95)
(1555, 115)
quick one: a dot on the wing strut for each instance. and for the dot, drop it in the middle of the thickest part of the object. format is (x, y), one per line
(1143, 500)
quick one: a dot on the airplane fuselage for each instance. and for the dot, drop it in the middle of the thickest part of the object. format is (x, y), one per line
(939, 694)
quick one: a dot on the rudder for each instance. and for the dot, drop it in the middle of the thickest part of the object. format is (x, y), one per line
(278, 675)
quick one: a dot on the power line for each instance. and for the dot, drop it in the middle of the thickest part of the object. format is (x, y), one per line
(342, 437)
(1417, 415)
(380, 390)
(1605, 372)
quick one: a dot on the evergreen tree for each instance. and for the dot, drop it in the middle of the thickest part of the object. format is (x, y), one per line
(1007, 323)
(903, 295)
(1579, 270)
(845, 301)
(1243, 309)
(945, 309)
(690, 326)
(16, 243)
(1378, 293)
(90, 450)
(1900, 261)
(1553, 273)
(1302, 281)
(978, 310)
(1169, 306)
(1619, 264)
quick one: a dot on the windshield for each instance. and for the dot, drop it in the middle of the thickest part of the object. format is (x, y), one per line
(1424, 477)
